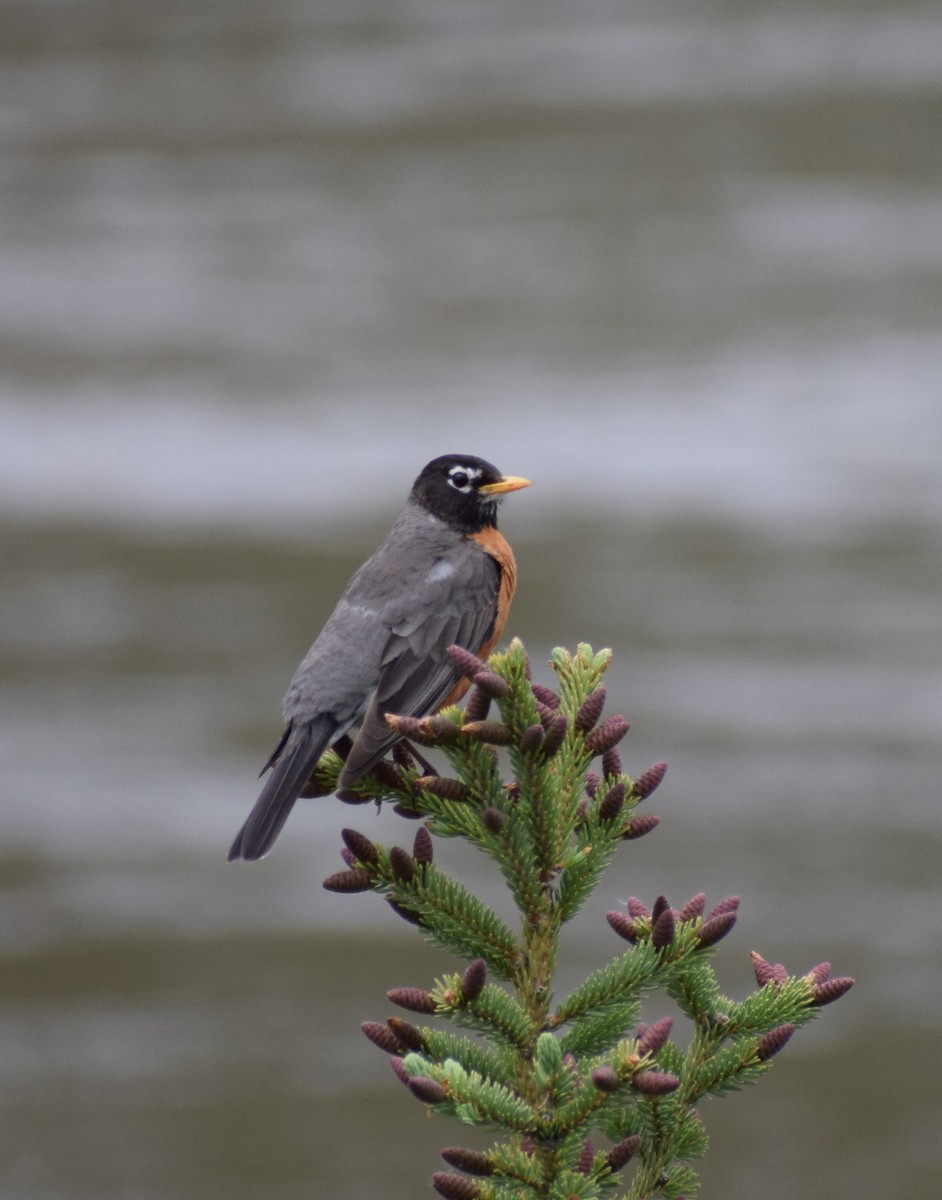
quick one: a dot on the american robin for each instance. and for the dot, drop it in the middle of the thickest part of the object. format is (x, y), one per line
(444, 576)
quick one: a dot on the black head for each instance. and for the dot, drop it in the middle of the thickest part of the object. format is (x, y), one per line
(463, 490)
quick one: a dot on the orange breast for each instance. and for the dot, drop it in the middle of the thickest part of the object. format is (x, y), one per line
(494, 543)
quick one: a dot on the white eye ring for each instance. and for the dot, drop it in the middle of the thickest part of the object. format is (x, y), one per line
(462, 478)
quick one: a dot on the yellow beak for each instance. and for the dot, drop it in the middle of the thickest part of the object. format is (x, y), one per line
(509, 483)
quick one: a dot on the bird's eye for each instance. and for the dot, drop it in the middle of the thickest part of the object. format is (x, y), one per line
(459, 480)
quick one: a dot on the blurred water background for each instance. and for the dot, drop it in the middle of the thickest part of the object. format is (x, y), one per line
(679, 264)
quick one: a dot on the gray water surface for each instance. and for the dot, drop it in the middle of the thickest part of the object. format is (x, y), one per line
(259, 263)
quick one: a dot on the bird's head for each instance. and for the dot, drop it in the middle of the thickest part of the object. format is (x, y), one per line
(464, 491)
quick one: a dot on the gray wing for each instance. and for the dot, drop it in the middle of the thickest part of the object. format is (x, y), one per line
(416, 673)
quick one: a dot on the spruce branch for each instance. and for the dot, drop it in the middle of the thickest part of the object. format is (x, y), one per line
(553, 1076)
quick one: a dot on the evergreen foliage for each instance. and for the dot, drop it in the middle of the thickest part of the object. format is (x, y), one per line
(552, 1076)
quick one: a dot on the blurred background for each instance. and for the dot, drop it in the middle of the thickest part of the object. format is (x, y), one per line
(679, 264)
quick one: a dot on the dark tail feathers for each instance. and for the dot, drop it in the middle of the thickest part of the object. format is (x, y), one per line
(290, 773)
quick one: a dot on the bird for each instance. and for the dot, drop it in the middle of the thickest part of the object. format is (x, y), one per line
(444, 576)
